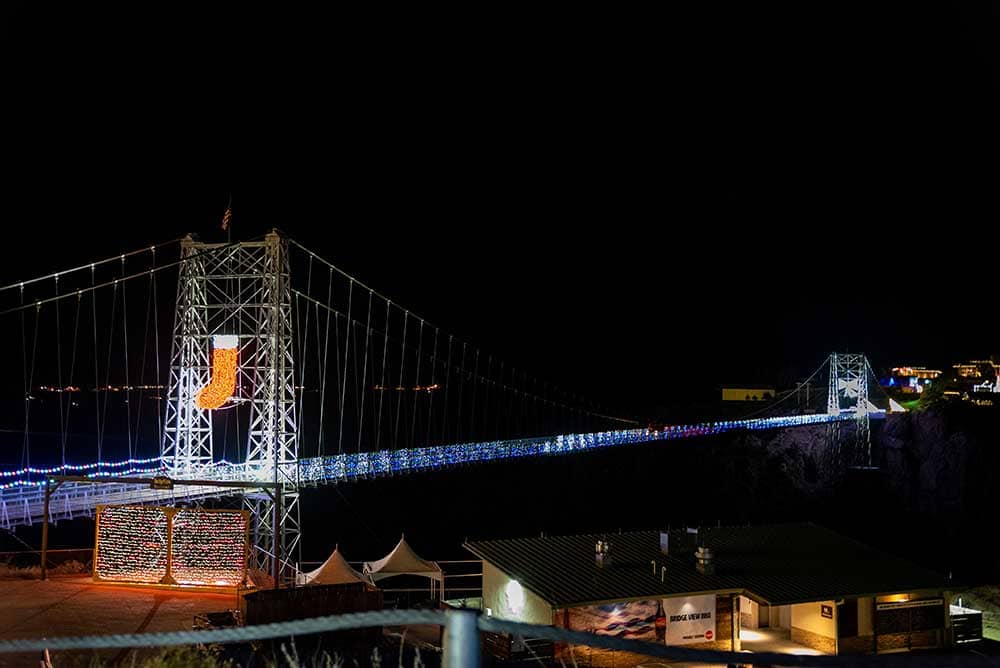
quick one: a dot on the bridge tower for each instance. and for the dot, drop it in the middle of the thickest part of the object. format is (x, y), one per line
(848, 393)
(241, 291)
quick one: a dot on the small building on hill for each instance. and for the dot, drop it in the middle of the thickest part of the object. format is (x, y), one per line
(747, 392)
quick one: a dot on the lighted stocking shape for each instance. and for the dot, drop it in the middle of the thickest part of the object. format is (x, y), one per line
(223, 381)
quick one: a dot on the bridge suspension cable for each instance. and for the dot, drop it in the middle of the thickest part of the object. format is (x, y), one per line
(90, 265)
(460, 368)
(107, 283)
(407, 315)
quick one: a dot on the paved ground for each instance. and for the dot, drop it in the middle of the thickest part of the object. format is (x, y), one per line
(773, 640)
(74, 605)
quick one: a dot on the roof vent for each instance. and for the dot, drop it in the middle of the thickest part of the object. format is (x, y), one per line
(602, 553)
(704, 560)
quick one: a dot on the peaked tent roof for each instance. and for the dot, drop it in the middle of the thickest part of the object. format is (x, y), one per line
(335, 570)
(402, 561)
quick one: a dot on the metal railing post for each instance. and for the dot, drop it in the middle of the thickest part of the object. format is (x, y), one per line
(461, 640)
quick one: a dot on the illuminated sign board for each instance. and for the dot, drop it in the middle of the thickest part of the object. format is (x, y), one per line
(690, 619)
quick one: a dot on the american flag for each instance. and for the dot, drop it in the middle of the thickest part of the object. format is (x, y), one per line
(226, 217)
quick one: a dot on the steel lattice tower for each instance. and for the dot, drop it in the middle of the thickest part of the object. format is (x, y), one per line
(239, 289)
(187, 435)
(848, 392)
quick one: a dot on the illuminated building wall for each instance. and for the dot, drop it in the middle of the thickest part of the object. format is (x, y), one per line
(505, 598)
(172, 546)
(920, 372)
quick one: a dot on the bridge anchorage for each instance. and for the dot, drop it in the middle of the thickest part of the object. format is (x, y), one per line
(310, 378)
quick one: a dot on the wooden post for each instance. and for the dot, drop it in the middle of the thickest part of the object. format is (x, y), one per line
(45, 531)
(49, 490)
(168, 578)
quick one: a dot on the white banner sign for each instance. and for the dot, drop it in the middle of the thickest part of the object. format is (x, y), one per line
(690, 619)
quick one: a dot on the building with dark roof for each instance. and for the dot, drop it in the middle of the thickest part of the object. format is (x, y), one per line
(824, 591)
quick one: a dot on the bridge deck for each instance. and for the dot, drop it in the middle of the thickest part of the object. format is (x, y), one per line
(23, 504)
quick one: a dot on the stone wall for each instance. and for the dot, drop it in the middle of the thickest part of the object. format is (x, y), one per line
(856, 645)
(914, 640)
(816, 641)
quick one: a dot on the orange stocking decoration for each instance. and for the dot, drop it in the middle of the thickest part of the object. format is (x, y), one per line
(224, 364)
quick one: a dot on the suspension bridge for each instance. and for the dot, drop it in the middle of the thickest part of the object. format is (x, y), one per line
(272, 380)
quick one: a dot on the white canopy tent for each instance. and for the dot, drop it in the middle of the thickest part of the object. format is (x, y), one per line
(403, 561)
(335, 570)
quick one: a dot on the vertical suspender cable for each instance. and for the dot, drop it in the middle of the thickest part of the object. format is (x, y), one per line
(461, 392)
(343, 381)
(502, 391)
(31, 383)
(303, 352)
(319, 372)
(107, 369)
(128, 406)
(364, 370)
(382, 381)
(323, 365)
(72, 368)
(475, 391)
(488, 383)
(140, 388)
(336, 349)
(399, 385)
(59, 379)
(447, 385)
(353, 327)
(156, 345)
(416, 382)
(433, 390)
(26, 443)
(97, 377)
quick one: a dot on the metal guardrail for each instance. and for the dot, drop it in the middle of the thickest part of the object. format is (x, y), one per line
(462, 647)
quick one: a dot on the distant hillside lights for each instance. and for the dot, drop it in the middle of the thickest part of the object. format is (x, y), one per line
(967, 381)
(401, 388)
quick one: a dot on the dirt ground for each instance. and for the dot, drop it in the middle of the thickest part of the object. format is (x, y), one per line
(74, 605)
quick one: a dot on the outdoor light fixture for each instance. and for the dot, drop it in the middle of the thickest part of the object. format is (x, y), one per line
(514, 594)
(217, 392)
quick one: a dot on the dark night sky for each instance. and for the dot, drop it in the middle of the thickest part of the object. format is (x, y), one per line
(633, 205)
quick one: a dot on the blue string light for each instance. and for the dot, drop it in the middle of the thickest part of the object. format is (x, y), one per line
(362, 465)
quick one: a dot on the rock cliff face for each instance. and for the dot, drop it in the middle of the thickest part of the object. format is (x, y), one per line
(939, 462)
(929, 459)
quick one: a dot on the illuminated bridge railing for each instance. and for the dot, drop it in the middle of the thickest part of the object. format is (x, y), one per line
(22, 493)
(390, 462)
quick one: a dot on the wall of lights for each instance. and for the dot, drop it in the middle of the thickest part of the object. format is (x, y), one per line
(156, 545)
(224, 365)
(131, 544)
(209, 547)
